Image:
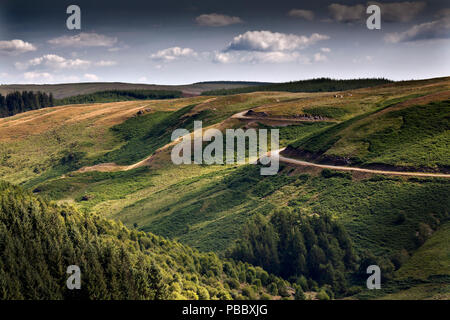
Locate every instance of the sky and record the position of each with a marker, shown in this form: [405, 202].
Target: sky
[181, 42]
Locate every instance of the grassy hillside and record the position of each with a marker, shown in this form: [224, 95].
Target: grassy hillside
[166, 199]
[412, 134]
[431, 259]
[39, 240]
[205, 206]
[54, 135]
[388, 219]
[61, 139]
[426, 275]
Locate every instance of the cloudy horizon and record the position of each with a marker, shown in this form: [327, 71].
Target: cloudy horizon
[167, 42]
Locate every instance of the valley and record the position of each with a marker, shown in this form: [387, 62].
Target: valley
[374, 161]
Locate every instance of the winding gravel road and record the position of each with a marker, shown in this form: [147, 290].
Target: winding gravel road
[242, 116]
[325, 166]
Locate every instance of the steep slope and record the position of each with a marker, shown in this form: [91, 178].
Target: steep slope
[413, 134]
[431, 259]
[47, 136]
[39, 240]
[425, 275]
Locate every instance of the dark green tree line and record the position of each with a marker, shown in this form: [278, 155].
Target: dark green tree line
[17, 102]
[39, 240]
[120, 95]
[311, 85]
[293, 245]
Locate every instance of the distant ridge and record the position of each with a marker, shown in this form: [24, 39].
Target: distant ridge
[310, 85]
[65, 90]
[244, 83]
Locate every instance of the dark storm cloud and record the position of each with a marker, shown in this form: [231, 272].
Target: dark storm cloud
[437, 29]
[217, 20]
[42, 14]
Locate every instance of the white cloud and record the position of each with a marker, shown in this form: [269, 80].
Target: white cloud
[319, 57]
[258, 57]
[326, 50]
[56, 62]
[266, 47]
[174, 53]
[105, 63]
[53, 61]
[272, 41]
[274, 57]
[223, 57]
[84, 40]
[217, 20]
[400, 11]
[142, 79]
[14, 47]
[4, 74]
[346, 14]
[390, 11]
[91, 77]
[438, 29]
[303, 14]
[38, 76]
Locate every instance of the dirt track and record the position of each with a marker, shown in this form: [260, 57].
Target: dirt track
[325, 166]
[240, 115]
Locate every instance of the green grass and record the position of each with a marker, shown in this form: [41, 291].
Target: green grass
[205, 206]
[97, 186]
[370, 209]
[418, 136]
[433, 258]
[440, 291]
[46, 151]
[206, 211]
[433, 289]
[327, 111]
[144, 134]
[289, 134]
[414, 137]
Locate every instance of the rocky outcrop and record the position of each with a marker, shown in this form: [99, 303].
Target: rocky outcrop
[143, 111]
[251, 113]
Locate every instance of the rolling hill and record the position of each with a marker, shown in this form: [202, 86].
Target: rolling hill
[73, 89]
[413, 134]
[112, 160]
